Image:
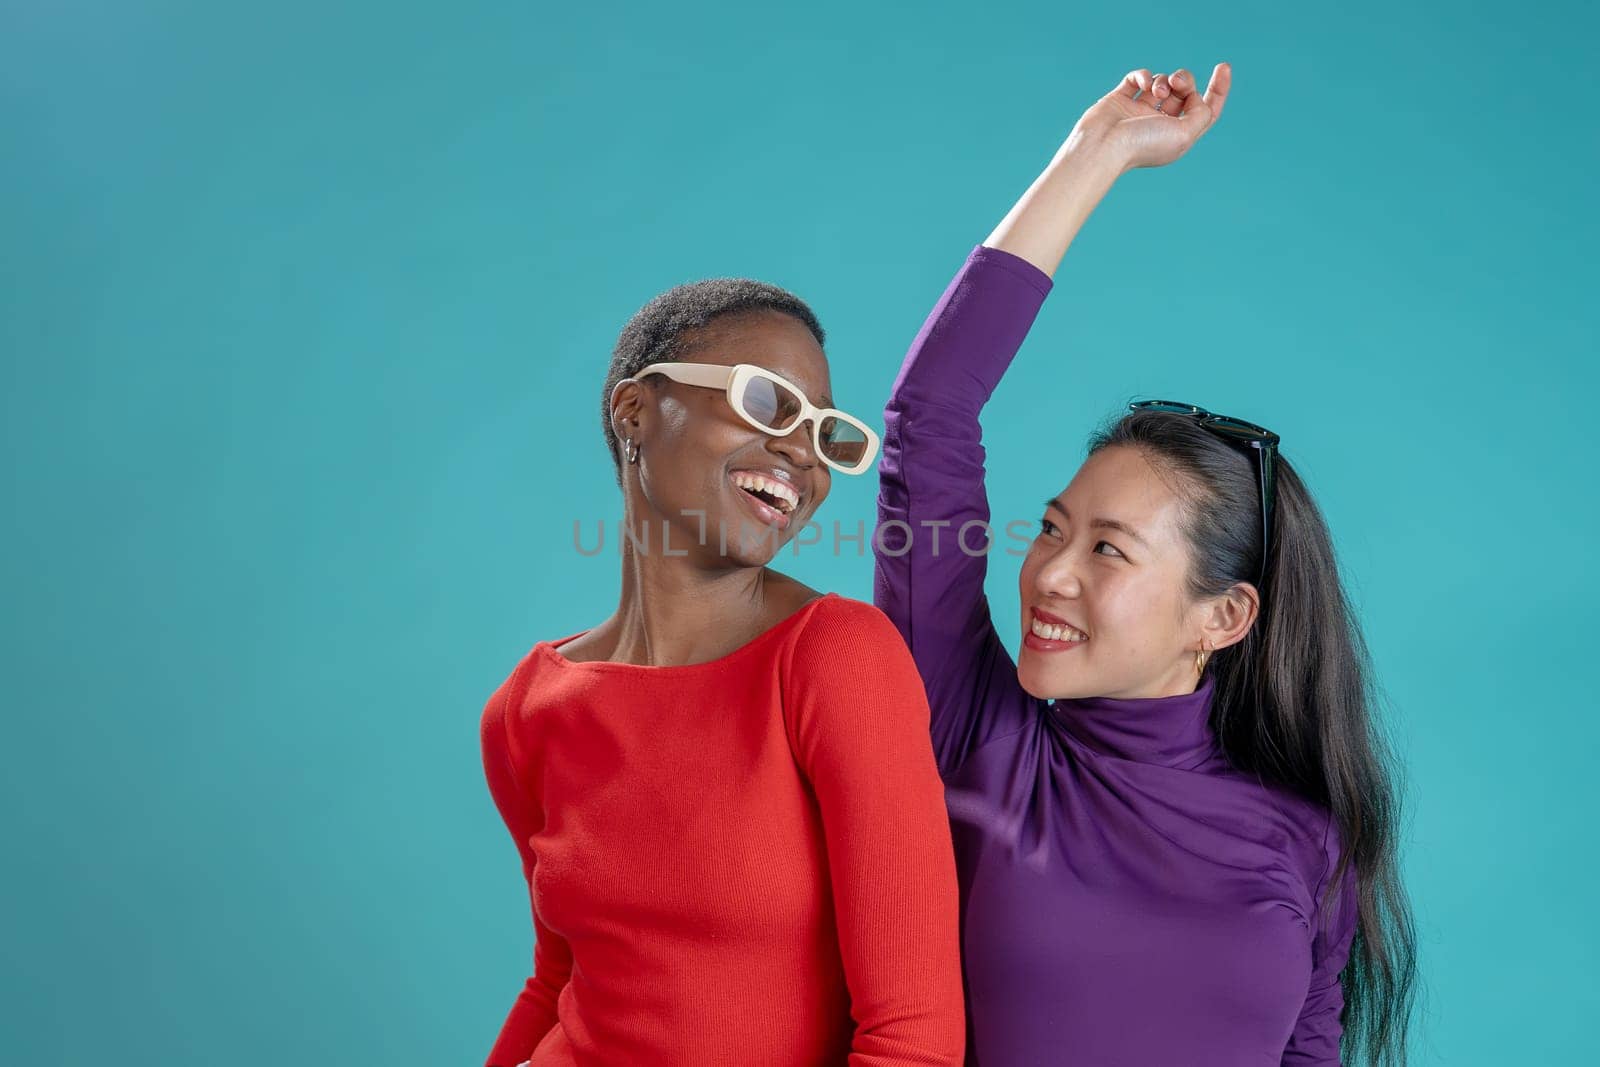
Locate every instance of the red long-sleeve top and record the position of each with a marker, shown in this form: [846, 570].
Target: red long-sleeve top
[739, 862]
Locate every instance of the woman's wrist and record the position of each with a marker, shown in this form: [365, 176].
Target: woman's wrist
[1042, 224]
[1092, 150]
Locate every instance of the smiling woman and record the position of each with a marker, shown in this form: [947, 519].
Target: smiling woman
[724, 796]
[1173, 814]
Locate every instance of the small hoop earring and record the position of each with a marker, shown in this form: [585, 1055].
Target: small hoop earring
[631, 451]
[1200, 657]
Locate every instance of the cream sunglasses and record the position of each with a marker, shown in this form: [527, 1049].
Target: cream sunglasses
[773, 405]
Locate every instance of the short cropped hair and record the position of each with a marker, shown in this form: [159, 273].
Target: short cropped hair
[656, 333]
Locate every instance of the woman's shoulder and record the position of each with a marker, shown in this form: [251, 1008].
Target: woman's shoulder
[812, 616]
[539, 662]
[846, 671]
[1317, 849]
[1310, 832]
[832, 619]
[841, 644]
[498, 709]
[1302, 829]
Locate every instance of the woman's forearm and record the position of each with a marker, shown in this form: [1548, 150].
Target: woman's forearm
[1041, 224]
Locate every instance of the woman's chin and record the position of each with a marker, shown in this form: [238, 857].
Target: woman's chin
[1035, 683]
[729, 540]
[752, 551]
[1047, 685]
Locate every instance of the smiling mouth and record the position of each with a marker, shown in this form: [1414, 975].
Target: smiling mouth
[778, 496]
[770, 506]
[1052, 632]
[771, 500]
[1044, 632]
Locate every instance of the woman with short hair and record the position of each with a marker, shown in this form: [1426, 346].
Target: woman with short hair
[724, 795]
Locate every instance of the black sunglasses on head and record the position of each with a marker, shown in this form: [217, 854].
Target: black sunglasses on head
[1238, 432]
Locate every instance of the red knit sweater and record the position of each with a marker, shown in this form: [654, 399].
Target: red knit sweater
[741, 862]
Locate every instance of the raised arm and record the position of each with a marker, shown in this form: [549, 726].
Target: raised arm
[933, 536]
[933, 511]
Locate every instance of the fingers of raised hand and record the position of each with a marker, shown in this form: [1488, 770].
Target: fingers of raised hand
[1217, 90]
[1136, 82]
[1160, 95]
[1184, 95]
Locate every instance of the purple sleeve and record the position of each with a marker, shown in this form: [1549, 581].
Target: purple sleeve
[931, 492]
[1317, 1033]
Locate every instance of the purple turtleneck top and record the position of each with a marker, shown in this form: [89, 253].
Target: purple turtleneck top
[1127, 897]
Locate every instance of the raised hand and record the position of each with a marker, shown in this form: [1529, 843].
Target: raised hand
[1147, 121]
[1150, 120]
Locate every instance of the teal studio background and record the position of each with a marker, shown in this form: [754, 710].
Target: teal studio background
[304, 317]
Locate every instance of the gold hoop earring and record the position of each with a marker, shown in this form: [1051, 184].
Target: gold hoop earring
[1200, 657]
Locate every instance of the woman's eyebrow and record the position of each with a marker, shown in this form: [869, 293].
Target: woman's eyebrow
[1113, 524]
[1100, 524]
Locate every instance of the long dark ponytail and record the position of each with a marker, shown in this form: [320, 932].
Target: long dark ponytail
[1294, 700]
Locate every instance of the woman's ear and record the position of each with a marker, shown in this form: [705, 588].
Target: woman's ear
[1228, 617]
[627, 402]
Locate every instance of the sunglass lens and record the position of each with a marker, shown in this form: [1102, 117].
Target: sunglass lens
[1169, 406]
[770, 403]
[843, 442]
[1245, 431]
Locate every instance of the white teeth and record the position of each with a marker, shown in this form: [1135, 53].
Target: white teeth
[1057, 633]
[787, 497]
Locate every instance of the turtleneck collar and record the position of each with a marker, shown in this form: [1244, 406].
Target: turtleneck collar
[1167, 731]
